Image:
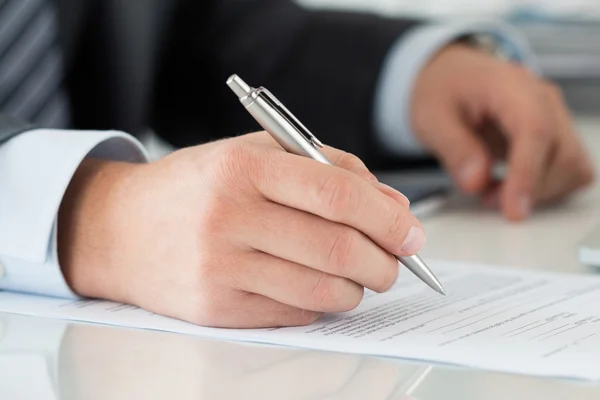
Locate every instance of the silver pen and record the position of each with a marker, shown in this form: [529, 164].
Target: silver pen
[295, 138]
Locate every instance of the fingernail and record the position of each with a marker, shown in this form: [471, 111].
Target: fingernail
[524, 205]
[415, 240]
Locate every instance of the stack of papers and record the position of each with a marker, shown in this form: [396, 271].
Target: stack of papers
[498, 319]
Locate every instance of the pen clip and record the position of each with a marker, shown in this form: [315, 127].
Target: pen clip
[285, 113]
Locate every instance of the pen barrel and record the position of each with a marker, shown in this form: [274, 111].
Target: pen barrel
[238, 86]
[293, 136]
[283, 131]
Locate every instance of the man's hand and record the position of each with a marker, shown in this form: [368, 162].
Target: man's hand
[235, 233]
[470, 110]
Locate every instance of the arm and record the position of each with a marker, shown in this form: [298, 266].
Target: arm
[348, 76]
[324, 65]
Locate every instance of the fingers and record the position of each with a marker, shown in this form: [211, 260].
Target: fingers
[354, 164]
[527, 162]
[253, 311]
[462, 153]
[546, 160]
[571, 168]
[348, 162]
[337, 157]
[393, 193]
[297, 286]
[524, 118]
[320, 245]
[341, 196]
[340, 159]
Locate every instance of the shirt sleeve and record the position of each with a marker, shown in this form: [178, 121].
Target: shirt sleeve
[407, 58]
[35, 170]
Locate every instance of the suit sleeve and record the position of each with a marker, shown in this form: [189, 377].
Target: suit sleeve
[11, 127]
[324, 65]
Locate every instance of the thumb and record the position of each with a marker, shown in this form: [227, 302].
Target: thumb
[462, 153]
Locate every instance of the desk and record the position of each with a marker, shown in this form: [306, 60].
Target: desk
[75, 361]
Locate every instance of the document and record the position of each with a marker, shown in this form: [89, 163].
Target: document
[500, 319]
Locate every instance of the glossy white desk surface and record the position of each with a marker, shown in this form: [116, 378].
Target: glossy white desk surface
[49, 359]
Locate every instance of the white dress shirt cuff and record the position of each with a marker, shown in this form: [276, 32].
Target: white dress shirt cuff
[406, 60]
[35, 170]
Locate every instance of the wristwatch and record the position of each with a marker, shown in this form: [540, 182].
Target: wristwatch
[491, 45]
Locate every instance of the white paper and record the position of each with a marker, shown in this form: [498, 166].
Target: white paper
[497, 319]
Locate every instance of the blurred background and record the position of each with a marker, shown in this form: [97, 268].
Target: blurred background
[564, 34]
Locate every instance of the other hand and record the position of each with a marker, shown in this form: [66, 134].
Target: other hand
[236, 233]
[471, 109]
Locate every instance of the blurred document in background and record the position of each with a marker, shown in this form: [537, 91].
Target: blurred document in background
[461, 8]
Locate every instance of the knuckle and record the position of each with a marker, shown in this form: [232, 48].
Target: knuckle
[339, 196]
[232, 153]
[349, 161]
[340, 251]
[237, 160]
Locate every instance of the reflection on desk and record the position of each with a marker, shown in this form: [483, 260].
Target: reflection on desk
[100, 362]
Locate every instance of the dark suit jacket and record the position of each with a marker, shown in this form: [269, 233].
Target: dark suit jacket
[135, 65]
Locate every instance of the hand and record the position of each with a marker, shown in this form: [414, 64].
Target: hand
[235, 233]
[470, 110]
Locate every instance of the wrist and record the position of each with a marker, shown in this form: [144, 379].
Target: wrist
[90, 221]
